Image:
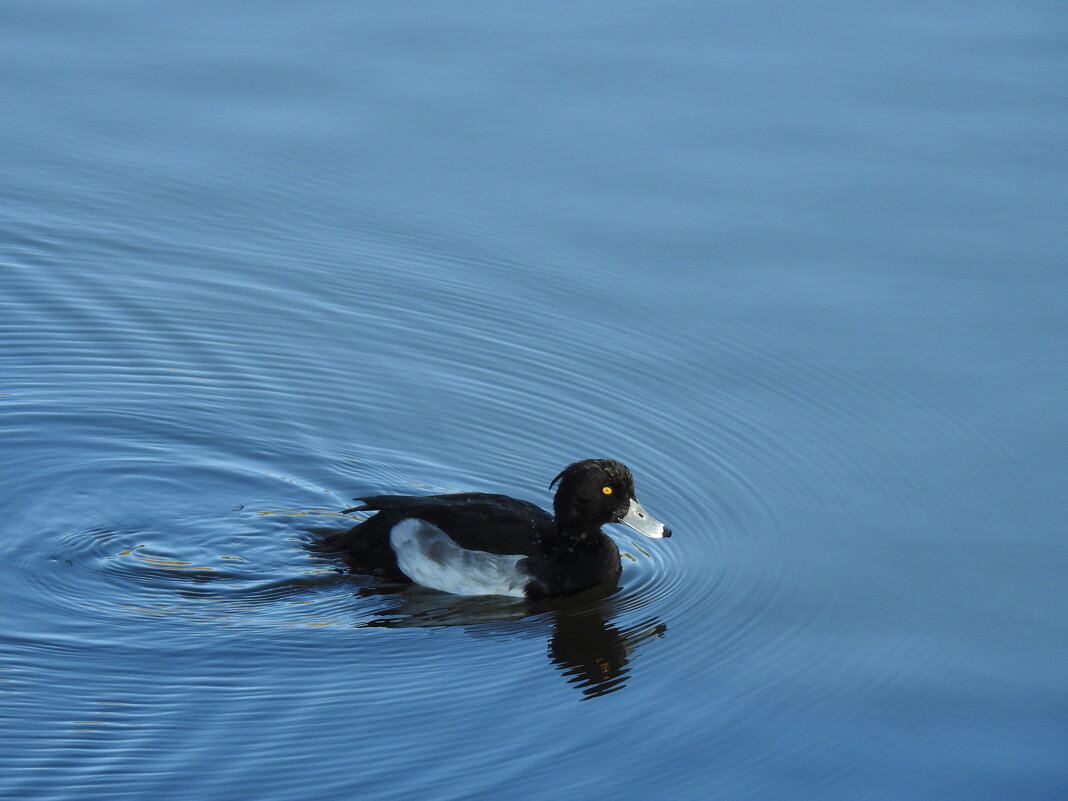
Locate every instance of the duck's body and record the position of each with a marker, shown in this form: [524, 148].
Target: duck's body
[483, 544]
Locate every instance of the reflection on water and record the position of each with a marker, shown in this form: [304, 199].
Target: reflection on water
[585, 641]
[592, 653]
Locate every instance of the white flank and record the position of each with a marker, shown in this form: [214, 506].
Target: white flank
[429, 556]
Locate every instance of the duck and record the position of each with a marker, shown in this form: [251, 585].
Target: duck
[479, 543]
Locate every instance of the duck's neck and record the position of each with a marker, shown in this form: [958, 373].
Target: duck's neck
[573, 530]
[576, 522]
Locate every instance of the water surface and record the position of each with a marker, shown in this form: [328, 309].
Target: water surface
[800, 267]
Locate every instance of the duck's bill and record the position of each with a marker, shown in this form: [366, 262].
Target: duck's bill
[643, 522]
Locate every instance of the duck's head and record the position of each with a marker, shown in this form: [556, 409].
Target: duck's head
[598, 491]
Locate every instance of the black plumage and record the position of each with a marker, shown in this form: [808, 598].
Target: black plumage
[563, 553]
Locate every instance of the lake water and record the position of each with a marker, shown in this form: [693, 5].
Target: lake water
[801, 266]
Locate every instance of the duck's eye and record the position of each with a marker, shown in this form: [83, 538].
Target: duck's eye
[606, 490]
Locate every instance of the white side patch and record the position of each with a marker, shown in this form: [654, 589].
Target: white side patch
[429, 556]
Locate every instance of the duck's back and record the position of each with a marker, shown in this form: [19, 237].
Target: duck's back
[496, 524]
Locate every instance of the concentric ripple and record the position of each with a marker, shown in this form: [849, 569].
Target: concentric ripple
[286, 262]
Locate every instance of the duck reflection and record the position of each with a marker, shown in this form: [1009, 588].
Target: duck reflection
[592, 653]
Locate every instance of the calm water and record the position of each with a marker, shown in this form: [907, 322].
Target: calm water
[801, 266]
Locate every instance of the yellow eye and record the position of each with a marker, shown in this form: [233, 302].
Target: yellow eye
[606, 490]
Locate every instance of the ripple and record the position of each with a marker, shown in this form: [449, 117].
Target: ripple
[182, 430]
[708, 469]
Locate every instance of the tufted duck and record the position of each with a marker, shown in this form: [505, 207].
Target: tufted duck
[483, 544]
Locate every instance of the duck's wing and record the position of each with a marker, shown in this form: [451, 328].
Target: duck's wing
[430, 557]
[376, 503]
[380, 503]
[497, 524]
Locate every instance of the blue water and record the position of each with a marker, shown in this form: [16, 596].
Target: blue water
[800, 266]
